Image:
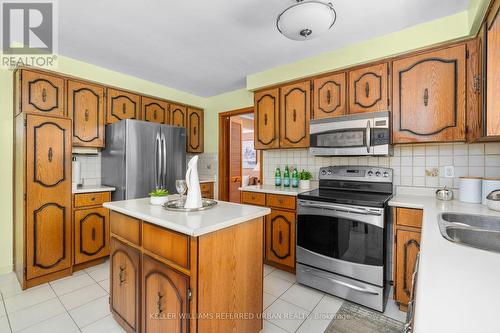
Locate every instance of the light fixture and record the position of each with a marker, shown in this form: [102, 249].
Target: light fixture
[306, 19]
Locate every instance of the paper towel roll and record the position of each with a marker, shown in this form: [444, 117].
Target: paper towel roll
[77, 176]
[470, 189]
[489, 184]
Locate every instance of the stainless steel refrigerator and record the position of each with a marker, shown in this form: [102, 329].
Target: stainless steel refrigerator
[142, 156]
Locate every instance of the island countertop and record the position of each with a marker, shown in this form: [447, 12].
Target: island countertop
[223, 215]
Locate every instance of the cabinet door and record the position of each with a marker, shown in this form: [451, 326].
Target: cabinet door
[91, 234]
[48, 195]
[429, 97]
[368, 89]
[178, 115]
[42, 93]
[165, 296]
[407, 248]
[329, 96]
[493, 71]
[295, 112]
[280, 237]
[266, 119]
[86, 108]
[195, 131]
[154, 110]
[122, 105]
[475, 75]
[125, 285]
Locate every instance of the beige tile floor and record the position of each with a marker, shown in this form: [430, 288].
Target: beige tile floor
[80, 304]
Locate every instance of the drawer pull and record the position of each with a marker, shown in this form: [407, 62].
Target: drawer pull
[122, 275]
[367, 89]
[44, 95]
[124, 108]
[154, 115]
[159, 308]
[328, 97]
[92, 199]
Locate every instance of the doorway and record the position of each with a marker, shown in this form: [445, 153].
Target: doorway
[239, 162]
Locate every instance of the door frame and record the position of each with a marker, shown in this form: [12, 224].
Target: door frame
[224, 139]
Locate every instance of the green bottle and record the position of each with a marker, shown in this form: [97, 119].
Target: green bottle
[295, 178]
[277, 177]
[286, 177]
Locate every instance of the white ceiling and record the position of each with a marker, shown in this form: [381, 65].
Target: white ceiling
[209, 47]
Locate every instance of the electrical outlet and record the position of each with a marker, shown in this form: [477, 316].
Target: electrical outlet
[449, 171]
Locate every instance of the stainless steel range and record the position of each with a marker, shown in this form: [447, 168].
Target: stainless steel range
[341, 233]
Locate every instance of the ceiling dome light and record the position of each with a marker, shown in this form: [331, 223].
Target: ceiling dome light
[306, 19]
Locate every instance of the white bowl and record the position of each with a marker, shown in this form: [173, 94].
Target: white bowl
[158, 201]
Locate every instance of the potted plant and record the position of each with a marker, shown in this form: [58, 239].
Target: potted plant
[305, 180]
[158, 197]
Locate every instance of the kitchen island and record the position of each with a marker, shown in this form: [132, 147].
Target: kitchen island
[180, 272]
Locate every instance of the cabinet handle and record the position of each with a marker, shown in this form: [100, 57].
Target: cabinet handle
[280, 237]
[426, 97]
[93, 234]
[294, 115]
[92, 199]
[124, 108]
[194, 130]
[367, 89]
[477, 83]
[159, 308]
[280, 201]
[50, 154]
[122, 275]
[44, 95]
[328, 97]
[86, 115]
[265, 119]
[154, 115]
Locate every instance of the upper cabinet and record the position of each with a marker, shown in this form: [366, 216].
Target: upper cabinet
[86, 108]
[122, 105]
[492, 70]
[329, 96]
[42, 93]
[429, 96]
[295, 110]
[178, 115]
[368, 90]
[194, 130]
[154, 110]
[267, 119]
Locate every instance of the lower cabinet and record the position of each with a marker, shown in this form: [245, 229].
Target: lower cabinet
[207, 190]
[91, 234]
[280, 236]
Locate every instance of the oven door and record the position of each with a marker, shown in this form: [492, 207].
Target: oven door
[343, 239]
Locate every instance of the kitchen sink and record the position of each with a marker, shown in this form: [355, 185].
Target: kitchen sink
[479, 231]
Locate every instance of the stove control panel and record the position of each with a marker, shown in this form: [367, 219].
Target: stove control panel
[356, 173]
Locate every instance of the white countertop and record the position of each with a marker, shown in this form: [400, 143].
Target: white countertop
[458, 286]
[207, 180]
[223, 215]
[93, 189]
[272, 189]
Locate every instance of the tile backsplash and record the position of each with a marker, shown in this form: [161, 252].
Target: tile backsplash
[90, 168]
[207, 165]
[417, 165]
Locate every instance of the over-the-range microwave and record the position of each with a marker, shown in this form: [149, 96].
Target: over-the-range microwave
[354, 135]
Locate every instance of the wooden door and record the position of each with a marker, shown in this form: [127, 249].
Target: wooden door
[493, 71]
[42, 93]
[86, 108]
[429, 96]
[280, 237]
[368, 90]
[91, 234]
[154, 110]
[178, 115]
[235, 162]
[266, 119]
[295, 112]
[48, 195]
[125, 285]
[329, 96]
[407, 248]
[195, 130]
[475, 83]
[165, 297]
[122, 105]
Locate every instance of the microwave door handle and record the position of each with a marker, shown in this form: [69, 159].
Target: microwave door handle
[368, 136]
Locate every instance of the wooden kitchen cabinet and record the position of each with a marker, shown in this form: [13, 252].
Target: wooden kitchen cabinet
[280, 236]
[122, 105]
[493, 71]
[194, 130]
[207, 190]
[42, 93]
[125, 300]
[86, 109]
[295, 111]
[178, 115]
[154, 110]
[368, 89]
[329, 96]
[91, 234]
[267, 119]
[429, 96]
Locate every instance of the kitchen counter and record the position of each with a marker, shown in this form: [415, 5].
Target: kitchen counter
[272, 189]
[223, 215]
[207, 181]
[93, 189]
[458, 286]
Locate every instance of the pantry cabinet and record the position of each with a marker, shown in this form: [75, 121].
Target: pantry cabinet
[42, 93]
[492, 71]
[154, 110]
[194, 130]
[295, 111]
[429, 96]
[86, 109]
[267, 119]
[329, 96]
[178, 115]
[368, 89]
[122, 105]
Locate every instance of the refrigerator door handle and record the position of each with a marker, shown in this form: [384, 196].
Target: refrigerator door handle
[158, 161]
[163, 174]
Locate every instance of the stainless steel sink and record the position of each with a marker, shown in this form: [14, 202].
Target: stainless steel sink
[479, 231]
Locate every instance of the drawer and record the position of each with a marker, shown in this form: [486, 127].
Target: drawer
[252, 198]
[91, 199]
[207, 190]
[281, 201]
[126, 227]
[409, 217]
[167, 244]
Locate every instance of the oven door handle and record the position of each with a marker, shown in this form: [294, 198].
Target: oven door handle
[345, 284]
[341, 209]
